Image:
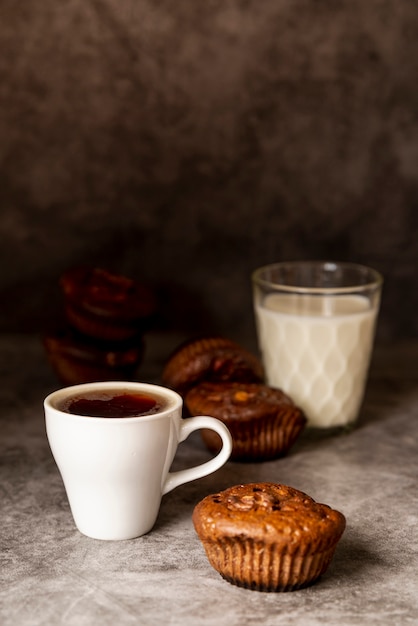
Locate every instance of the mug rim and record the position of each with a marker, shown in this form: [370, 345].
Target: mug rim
[176, 401]
[375, 281]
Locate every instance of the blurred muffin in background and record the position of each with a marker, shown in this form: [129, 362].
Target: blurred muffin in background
[101, 333]
[215, 359]
[106, 306]
[76, 359]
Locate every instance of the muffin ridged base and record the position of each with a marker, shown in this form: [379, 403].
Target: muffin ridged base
[253, 565]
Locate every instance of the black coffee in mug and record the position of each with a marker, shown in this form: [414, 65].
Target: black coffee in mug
[113, 403]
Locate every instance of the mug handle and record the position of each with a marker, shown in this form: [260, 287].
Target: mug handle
[189, 425]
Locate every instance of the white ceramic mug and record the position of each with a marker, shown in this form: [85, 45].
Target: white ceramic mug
[116, 469]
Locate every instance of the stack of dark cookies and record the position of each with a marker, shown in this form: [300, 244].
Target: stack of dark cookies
[101, 333]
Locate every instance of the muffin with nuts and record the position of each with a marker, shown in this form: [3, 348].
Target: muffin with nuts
[267, 536]
[264, 422]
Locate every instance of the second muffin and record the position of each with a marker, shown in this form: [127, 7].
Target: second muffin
[264, 422]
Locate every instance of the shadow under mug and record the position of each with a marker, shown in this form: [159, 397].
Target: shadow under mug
[116, 470]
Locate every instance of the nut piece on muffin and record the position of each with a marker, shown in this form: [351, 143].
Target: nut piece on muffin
[216, 359]
[264, 422]
[267, 536]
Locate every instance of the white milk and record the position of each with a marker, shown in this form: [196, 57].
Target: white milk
[318, 352]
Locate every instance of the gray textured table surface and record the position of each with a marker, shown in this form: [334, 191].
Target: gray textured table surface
[51, 574]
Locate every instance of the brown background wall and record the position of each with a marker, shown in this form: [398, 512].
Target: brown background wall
[188, 142]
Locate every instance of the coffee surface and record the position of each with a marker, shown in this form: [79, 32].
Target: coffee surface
[113, 404]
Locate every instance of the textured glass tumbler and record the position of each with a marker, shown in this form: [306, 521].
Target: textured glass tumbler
[315, 325]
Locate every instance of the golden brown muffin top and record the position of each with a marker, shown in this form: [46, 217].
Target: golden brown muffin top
[269, 513]
[246, 401]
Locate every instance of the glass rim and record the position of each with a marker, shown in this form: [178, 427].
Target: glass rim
[375, 282]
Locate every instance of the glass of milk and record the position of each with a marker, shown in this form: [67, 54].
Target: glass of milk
[315, 324]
